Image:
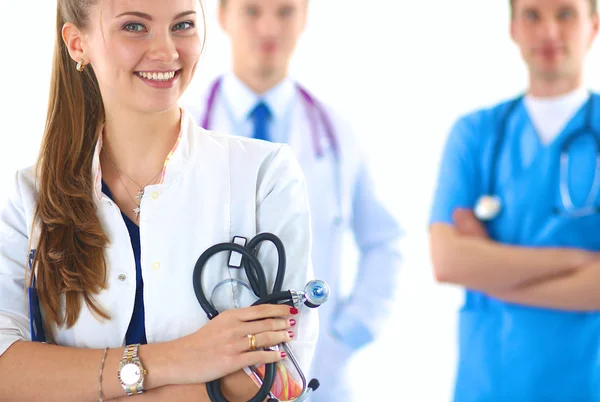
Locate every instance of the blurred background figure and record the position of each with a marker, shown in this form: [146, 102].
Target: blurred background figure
[259, 99]
[515, 221]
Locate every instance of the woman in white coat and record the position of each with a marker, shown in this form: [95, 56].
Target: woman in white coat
[126, 194]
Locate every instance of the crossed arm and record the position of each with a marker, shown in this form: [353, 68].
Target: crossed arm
[237, 387]
[559, 278]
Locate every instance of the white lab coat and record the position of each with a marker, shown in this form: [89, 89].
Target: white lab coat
[346, 324]
[214, 187]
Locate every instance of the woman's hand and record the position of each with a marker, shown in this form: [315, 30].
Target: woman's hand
[222, 347]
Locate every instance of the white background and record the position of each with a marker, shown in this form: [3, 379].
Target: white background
[402, 71]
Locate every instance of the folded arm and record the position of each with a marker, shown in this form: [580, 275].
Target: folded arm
[574, 289]
[482, 264]
[236, 387]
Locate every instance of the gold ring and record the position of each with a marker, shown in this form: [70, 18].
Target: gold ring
[252, 342]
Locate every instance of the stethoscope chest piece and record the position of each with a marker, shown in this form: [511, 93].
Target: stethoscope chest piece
[488, 207]
[316, 292]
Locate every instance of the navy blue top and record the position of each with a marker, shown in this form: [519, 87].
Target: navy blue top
[136, 333]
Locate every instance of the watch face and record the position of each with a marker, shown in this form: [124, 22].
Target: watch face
[130, 374]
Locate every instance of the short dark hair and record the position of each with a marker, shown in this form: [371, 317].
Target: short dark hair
[593, 6]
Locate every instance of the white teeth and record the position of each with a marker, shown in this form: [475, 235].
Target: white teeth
[166, 76]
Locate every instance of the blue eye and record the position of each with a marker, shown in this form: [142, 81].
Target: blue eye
[134, 27]
[182, 26]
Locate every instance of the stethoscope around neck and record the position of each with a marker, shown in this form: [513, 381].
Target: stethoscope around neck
[316, 114]
[489, 206]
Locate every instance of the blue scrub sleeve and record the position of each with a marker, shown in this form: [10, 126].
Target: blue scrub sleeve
[459, 179]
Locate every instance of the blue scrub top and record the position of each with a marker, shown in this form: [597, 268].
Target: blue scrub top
[136, 332]
[511, 352]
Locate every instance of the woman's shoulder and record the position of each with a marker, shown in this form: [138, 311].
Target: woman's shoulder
[248, 151]
[246, 156]
[276, 158]
[249, 146]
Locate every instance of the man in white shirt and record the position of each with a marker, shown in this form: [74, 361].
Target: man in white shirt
[258, 99]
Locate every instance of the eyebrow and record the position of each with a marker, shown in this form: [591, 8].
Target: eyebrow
[149, 17]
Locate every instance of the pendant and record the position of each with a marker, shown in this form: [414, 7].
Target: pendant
[136, 211]
[140, 194]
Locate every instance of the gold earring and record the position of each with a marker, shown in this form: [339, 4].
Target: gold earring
[80, 66]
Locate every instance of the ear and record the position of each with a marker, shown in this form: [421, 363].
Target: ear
[73, 39]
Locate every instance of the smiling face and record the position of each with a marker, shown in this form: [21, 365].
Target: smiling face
[143, 52]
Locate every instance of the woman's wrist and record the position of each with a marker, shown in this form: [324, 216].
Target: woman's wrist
[160, 360]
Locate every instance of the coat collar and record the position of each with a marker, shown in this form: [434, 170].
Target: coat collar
[175, 162]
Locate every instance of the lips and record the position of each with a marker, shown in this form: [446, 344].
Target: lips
[550, 50]
[269, 47]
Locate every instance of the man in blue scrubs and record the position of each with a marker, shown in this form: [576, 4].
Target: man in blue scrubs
[529, 330]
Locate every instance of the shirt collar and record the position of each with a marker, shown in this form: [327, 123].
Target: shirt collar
[175, 162]
[242, 99]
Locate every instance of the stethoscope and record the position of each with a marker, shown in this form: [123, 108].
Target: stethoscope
[489, 206]
[316, 113]
[315, 293]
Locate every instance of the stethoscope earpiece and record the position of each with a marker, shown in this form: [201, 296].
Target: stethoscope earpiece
[488, 207]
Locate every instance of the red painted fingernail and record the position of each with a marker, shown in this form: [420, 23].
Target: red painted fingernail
[293, 310]
[292, 322]
[291, 334]
[283, 355]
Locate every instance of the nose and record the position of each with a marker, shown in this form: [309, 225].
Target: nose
[163, 49]
[549, 30]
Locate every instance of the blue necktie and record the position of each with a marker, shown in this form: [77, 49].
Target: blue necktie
[260, 116]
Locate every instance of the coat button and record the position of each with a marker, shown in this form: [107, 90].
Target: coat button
[156, 266]
[122, 277]
[154, 195]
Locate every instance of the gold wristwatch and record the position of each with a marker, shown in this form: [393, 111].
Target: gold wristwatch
[131, 372]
